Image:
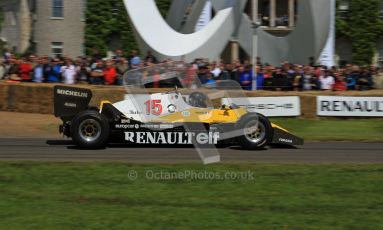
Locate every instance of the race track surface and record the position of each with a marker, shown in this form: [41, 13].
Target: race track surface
[63, 150]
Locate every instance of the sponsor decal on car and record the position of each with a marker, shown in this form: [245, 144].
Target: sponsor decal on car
[186, 113]
[126, 125]
[285, 140]
[68, 104]
[157, 126]
[166, 126]
[134, 112]
[172, 137]
[72, 93]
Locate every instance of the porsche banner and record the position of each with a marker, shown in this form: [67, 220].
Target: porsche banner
[269, 106]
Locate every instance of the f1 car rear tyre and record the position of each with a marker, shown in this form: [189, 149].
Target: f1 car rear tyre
[90, 129]
[256, 129]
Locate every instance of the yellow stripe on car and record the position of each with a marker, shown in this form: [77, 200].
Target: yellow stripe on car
[204, 115]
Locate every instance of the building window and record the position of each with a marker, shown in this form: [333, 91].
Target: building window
[83, 10]
[57, 49]
[264, 12]
[282, 13]
[32, 6]
[57, 9]
[344, 7]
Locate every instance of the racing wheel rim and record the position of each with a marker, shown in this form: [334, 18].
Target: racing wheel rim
[255, 131]
[90, 130]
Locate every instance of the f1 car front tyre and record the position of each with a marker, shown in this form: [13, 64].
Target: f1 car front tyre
[256, 131]
[90, 129]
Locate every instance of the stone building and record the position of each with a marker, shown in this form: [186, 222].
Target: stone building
[279, 18]
[57, 26]
[275, 16]
[10, 32]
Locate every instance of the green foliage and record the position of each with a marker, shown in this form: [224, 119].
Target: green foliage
[363, 27]
[163, 6]
[107, 22]
[341, 24]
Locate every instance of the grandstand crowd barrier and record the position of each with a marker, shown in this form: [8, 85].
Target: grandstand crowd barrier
[38, 98]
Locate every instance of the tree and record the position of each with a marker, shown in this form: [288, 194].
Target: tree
[107, 22]
[363, 27]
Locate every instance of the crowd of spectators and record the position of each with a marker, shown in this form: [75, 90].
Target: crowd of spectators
[109, 71]
[81, 70]
[289, 77]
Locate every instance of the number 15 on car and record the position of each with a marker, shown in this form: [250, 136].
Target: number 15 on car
[153, 107]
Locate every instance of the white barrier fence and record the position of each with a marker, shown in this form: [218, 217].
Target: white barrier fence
[269, 106]
[350, 106]
[331, 106]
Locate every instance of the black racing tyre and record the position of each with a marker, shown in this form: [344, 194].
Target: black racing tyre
[256, 129]
[90, 129]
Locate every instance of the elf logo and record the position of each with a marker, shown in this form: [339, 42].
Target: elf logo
[182, 138]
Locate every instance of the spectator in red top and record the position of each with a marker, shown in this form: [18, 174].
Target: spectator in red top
[110, 73]
[25, 69]
[340, 82]
[318, 71]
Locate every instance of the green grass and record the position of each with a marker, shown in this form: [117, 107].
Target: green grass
[334, 129]
[101, 196]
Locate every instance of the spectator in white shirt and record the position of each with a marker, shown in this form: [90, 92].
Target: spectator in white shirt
[69, 72]
[215, 70]
[326, 80]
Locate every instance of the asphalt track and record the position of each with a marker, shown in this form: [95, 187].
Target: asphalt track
[15, 149]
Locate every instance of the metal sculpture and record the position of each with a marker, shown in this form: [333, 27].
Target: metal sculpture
[175, 38]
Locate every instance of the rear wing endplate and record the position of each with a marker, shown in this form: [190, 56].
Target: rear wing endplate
[68, 101]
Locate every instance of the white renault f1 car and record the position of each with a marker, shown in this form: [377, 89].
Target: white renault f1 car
[177, 117]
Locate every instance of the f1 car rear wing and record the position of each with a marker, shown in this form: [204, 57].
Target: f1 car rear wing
[68, 101]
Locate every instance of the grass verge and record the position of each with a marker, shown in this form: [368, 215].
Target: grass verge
[334, 129]
[104, 196]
